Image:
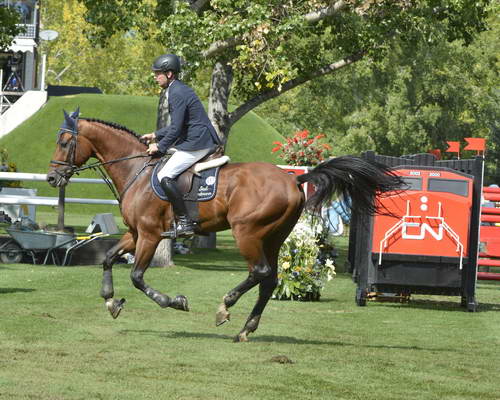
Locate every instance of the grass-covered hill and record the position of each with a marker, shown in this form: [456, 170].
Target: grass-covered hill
[31, 145]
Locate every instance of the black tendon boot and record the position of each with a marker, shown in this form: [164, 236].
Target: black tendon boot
[185, 227]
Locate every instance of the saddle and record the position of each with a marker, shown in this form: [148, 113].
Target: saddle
[212, 160]
[186, 179]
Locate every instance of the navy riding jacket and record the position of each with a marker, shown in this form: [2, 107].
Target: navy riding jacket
[189, 128]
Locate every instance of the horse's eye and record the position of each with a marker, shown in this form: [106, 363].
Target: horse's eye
[63, 144]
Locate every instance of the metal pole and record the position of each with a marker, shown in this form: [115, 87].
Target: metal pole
[60, 209]
[44, 63]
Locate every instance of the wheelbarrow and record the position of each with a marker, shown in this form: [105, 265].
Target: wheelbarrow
[31, 243]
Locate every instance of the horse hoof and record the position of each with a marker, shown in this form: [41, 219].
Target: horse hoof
[222, 315]
[180, 303]
[242, 337]
[115, 307]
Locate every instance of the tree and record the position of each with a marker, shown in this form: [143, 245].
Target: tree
[74, 60]
[413, 99]
[9, 19]
[258, 50]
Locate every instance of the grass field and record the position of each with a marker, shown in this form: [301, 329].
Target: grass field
[57, 341]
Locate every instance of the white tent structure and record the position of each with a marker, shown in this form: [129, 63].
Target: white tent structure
[19, 95]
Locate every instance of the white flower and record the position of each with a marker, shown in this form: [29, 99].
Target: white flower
[331, 269]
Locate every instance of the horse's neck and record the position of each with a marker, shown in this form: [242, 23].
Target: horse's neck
[112, 144]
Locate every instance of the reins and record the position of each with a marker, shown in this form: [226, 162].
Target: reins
[97, 167]
[101, 163]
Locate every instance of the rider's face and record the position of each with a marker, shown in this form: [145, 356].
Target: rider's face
[162, 78]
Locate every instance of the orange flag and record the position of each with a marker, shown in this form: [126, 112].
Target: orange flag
[453, 147]
[478, 144]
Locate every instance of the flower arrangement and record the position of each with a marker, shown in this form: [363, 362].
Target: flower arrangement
[6, 166]
[305, 262]
[303, 149]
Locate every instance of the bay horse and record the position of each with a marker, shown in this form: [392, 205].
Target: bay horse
[258, 201]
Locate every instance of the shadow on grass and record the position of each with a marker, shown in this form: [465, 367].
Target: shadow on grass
[16, 290]
[256, 338]
[437, 305]
[210, 267]
[273, 339]
[212, 260]
[322, 300]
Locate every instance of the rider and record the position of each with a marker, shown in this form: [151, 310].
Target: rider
[189, 131]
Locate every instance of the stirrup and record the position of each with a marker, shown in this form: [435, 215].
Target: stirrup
[183, 230]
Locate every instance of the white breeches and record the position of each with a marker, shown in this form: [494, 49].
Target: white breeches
[179, 162]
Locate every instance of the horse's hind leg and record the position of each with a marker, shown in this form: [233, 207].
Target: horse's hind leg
[266, 289]
[233, 296]
[125, 245]
[262, 266]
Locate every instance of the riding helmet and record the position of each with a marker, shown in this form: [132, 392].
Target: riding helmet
[167, 62]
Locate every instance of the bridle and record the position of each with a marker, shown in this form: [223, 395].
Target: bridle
[70, 162]
[71, 126]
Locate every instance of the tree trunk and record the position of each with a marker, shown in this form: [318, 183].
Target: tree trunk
[163, 254]
[220, 88]
[205, 242]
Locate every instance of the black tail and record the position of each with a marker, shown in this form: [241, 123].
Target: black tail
[351, 177]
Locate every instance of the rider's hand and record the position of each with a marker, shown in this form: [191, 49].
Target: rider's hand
[153, 149]
[148, 138]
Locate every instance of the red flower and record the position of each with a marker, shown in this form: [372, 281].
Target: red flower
[302, 149]
[303, 134]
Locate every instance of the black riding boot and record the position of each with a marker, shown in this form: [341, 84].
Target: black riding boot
[185, 227]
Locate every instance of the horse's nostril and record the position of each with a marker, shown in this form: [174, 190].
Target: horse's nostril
[51, 180]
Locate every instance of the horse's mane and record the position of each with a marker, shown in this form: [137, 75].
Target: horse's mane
[115, 126]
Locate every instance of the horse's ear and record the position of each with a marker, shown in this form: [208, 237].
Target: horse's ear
[69, 123]
[68, 119]
[75, 114]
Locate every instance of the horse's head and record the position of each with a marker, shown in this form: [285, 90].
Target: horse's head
[71, 151]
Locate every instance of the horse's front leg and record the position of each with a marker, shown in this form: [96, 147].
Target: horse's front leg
[146, 246]
[125, 245]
